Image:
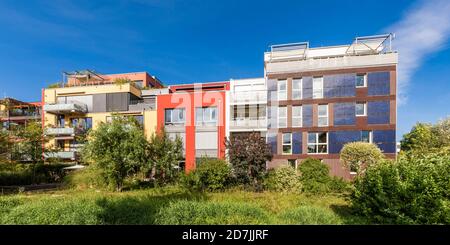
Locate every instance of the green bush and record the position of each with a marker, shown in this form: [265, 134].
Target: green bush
[211, 174]
[310, 215]
[197, 213]
[411, 190]
[283, 179]
[315, 176]
[355, 155]
[31, 173]
[88, 177]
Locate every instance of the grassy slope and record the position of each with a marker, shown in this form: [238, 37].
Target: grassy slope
[171, 205]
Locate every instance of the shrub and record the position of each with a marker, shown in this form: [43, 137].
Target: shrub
[283, 179]
[355, 154]
[33, 173]
[88, 177]
[191, 181]
[310, 215]
[315, 176]
[411, 190]
[211, 174]
[198, 213]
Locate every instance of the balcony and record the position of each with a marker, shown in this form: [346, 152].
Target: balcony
[67, 155]
[72, 107]
[60, 131]
[248, 97]
[245, 124]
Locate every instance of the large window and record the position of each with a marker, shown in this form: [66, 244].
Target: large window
[206, 115]
[282, 116]
[81, 125]
[297, 89]
[366, 136]
[361, 109]
[361, 80]
[322, 115]
[297, 116]
[282, 90]
[174, 116]
[317, 87]
[318, 143]
[287, 144]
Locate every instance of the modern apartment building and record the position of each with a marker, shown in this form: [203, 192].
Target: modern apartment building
[196, 113]
[15, 114]
[246, 106]
[86, 98]
[321, 98]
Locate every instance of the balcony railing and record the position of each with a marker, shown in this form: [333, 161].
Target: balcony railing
[249, 97]
[60, 131]
[248, 123]
[72, 155]
[63, 108]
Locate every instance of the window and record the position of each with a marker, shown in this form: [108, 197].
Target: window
[360, 109]
[318, 143]
[206, 115]
[297, 89]
[361, 80]
[366, 136]
[297, 116]
[287, 144]
[292, 163]
[317, 87]
[282, 116]
[81, 125]
[282, 87]
[323, 115]
[174, 116]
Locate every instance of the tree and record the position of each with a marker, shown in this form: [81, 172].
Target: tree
[356, 154]
[4, 144]
[164, 155]
[119, 148]
[248, 154]
[420, 139]
[31, 142]
[441, 132]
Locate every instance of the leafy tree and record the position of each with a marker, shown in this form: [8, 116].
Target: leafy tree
[420, 139]
[31, 142]
[441, 132]
[164, 156]
[4, 144]
[248, 154]
[357, 154]
[119, 148]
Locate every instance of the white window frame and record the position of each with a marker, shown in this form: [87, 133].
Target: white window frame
[317, 143]
[370, 135]
[173, 114]
[209, 117]
[297, 118]
[323, 116]
[283, 144]
[298, 90]
[279, 91]
[284, 118]
[315, 89]
[365, 109]
[365, 80]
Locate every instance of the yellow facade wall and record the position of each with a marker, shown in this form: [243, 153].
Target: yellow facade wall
[101, 89]
[150, 121]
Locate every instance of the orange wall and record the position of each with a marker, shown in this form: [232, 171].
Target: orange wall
[190, 101]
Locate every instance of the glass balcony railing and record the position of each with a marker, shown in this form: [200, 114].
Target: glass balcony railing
[72, 155]
[248, 123]
[60, 131]
[63, 108]
[248, 97]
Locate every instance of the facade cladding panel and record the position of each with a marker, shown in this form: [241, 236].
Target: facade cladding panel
[271, 89]
[385, 140]
[378, 83]
[307, 87]
[378, 112]
[99, 104]
[342, 85]
[272, 115]
[297, 143]
[272, 141]
[117, 101]
[337, 139]
[344, 114]
[307, 115]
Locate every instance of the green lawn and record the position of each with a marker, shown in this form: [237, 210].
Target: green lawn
[170, 205]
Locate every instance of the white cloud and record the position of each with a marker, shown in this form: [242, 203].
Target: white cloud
[423, 30]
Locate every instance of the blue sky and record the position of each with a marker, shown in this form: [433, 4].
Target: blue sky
[197, 41]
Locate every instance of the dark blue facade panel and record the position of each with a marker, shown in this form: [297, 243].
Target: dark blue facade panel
[378, 83]
[307, 115]
[272, 141]
[307, 87]
[342, 85]
[378, 112]
[344, 114]
[385, 140]
[297, 143]
[337, 139]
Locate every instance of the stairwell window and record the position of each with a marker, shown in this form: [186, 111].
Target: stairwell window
[282, 90]
[323, 115]
[297, 116]
[361, 80]
[361, 109]
[287, 144]
[317, 87]
[366, 136]
[318, 143]
[282, 116]
[297, 89]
